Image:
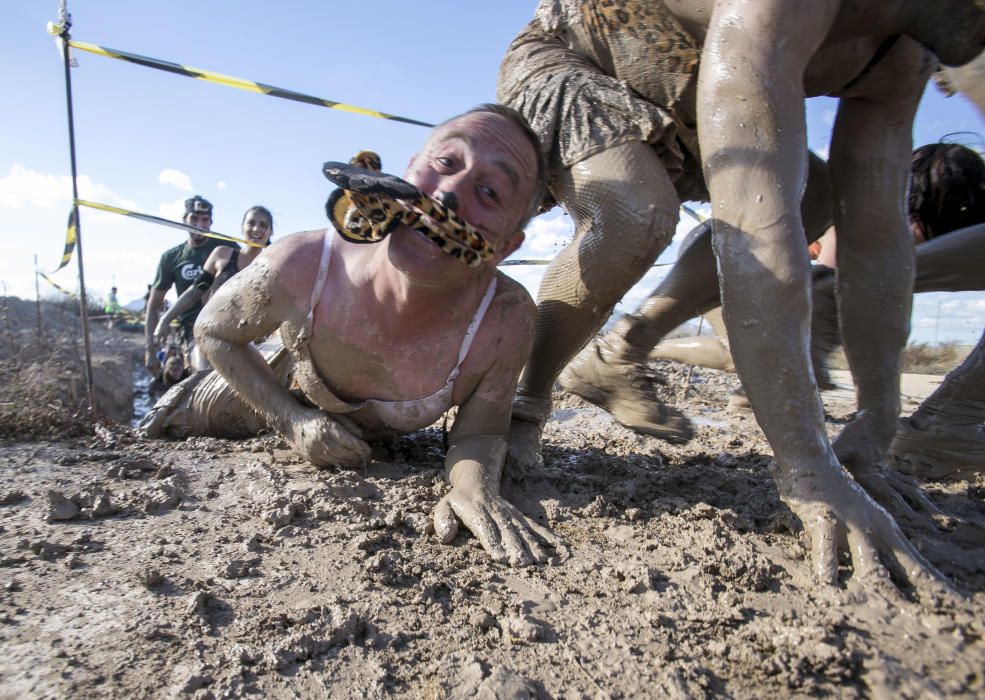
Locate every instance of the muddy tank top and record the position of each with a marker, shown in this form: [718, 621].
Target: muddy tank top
[394, 416]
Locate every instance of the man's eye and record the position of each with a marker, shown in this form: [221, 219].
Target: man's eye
[444, 161]
[489, 193]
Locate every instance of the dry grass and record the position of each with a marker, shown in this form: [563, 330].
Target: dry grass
[42, 375]
[920, 358]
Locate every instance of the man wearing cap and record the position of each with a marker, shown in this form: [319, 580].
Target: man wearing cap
[179, 266]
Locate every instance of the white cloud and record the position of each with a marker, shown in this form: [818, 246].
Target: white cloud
[172, 210]
[28, 188]
[546, 237]
[828, 117]
[823, 151]
[220, 185]
[175, 178]
[963, 308]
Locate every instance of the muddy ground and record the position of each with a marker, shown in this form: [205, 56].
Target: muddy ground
[212, 568]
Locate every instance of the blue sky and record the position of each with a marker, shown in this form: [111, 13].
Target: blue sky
[146, 140]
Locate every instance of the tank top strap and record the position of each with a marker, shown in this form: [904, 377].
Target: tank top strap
[326, 256]
[473, 328]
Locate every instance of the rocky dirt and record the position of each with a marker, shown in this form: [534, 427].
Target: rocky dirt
[212, 568]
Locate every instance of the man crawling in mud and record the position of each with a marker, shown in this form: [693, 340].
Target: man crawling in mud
[621, 93]
[383, 339]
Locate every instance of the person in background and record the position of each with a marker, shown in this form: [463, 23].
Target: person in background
[223, 262]
[179, 267]
[112, 308]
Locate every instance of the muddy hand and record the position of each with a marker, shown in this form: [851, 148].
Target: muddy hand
[326, 440]
[161, 332]
[504, 532]
[151, 362]
[865, 440]
[862, 447]
[834, 510]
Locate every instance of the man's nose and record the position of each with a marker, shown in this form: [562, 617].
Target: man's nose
[447, 198]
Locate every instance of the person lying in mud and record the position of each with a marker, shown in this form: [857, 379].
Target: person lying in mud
[383, 339]
[621, 93]
[223, 262]
[174, 372]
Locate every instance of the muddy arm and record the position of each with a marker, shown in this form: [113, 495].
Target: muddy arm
[477, 448]
[691, 286]
[154, 303]
[753, 141]
[954, 262]
[253, 304]
[186, 301]
[870, 163]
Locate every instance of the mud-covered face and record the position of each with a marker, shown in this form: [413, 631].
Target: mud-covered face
[174, 368]
[484, 168]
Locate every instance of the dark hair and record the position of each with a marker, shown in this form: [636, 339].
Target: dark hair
[947, 190]
[520, 122]
[266, 212]
[198, 205]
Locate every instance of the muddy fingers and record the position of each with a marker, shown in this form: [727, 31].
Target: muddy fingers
[920, 573]
[910, 490]
[822, 528]
[325, 440]
[503, 531]
[865, 557]
[834, 508]
[445, 522]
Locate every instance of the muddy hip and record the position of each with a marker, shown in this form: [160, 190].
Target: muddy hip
[578, 110]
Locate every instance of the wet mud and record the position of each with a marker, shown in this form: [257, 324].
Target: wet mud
[214, 568]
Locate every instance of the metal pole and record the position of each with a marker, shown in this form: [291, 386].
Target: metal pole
[687, 378]
[37, 294]
[66, 19]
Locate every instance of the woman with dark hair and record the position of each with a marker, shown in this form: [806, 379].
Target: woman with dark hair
[947, 190]
[224, 262]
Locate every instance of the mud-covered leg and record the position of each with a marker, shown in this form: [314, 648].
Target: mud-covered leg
[825, 335]
[700, 350]
[625, 210]
[753, 152]
[691, 287]
[945, 436]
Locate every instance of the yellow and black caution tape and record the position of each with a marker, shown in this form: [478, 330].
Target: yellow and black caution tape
[71, 234]
[56, 285]
[164, 222]
[240, 83]
[693, 214]
[508, 263]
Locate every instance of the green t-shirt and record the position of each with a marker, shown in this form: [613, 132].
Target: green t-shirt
[179, 266]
